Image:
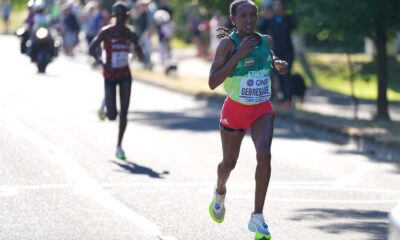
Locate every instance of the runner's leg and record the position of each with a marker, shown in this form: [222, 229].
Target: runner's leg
[231, 142]
[262, 133]
[110, 98]
[125, 96]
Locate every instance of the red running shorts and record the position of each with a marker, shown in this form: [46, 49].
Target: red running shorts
[237, 116]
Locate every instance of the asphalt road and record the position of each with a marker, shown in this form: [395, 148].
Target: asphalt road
[59, 178]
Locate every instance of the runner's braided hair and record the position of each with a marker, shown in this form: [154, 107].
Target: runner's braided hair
[224, 31]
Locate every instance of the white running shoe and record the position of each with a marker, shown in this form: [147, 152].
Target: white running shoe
[257, 225]
[102, 111]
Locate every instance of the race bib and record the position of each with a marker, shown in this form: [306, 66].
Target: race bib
[119, 59]
[255, 90]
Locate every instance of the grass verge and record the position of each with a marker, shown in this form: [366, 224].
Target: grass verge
[17, 19]
[332, 73]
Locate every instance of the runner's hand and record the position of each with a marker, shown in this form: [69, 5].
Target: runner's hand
[106, 66]
[246, 46]
[281, 66]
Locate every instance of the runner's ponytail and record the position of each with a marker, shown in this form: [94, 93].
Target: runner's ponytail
[224, 31]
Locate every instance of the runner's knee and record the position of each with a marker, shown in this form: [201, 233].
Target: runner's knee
[228, 165]
[112, 116]
[264, 157]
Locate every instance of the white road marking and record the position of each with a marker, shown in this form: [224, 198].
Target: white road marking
[85, 185]
[206, 188]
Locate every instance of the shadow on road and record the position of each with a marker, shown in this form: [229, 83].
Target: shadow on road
[344, 221]
[178, 120]
[134, 168]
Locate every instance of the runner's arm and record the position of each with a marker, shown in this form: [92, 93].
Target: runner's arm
[281, 66]
[95, 44]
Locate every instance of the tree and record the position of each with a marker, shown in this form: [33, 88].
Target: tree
[348, 18]
[18, 4]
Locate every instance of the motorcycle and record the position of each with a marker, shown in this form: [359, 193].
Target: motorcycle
[43, 48]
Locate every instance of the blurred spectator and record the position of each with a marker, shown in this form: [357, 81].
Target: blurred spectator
[193, 22]
[264, 22]
[6, 12]
[198, 21]
[280, 26]
[89, 20]
[102, 17]
[55, 11]
[165, 29]
[204, 28]
[71, 29]
[143, 26]
[216, 22]
[164, 5]
[264, 28]
[128, 3]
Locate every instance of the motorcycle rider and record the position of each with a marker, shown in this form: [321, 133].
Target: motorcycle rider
[41, 18]
[30, 20]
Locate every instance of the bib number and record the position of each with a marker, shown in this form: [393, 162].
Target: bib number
[255, 90]
[119, 59]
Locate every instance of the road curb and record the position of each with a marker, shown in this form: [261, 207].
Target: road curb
[394, 227]
[386, 150]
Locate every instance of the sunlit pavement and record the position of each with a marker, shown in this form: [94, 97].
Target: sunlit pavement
[59, 178]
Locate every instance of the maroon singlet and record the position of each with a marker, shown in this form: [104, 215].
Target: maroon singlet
[117, 50]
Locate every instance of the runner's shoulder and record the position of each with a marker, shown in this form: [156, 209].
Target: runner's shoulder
[226, 44]
[267, 37]
[106, 29]
[130, 31]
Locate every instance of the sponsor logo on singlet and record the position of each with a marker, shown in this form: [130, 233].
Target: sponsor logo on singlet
[255, 87]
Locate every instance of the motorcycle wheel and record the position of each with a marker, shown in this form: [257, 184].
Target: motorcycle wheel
[41, 61]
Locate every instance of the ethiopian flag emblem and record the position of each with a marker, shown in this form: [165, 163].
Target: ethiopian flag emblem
[249, 62]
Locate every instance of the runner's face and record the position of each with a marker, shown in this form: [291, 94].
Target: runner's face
[277, 7]
[245, 18]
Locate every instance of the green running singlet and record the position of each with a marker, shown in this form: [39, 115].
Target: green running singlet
[250, 82]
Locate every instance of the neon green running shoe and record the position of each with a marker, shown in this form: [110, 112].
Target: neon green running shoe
[259, 236]
[217, 207]
[120, 154]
